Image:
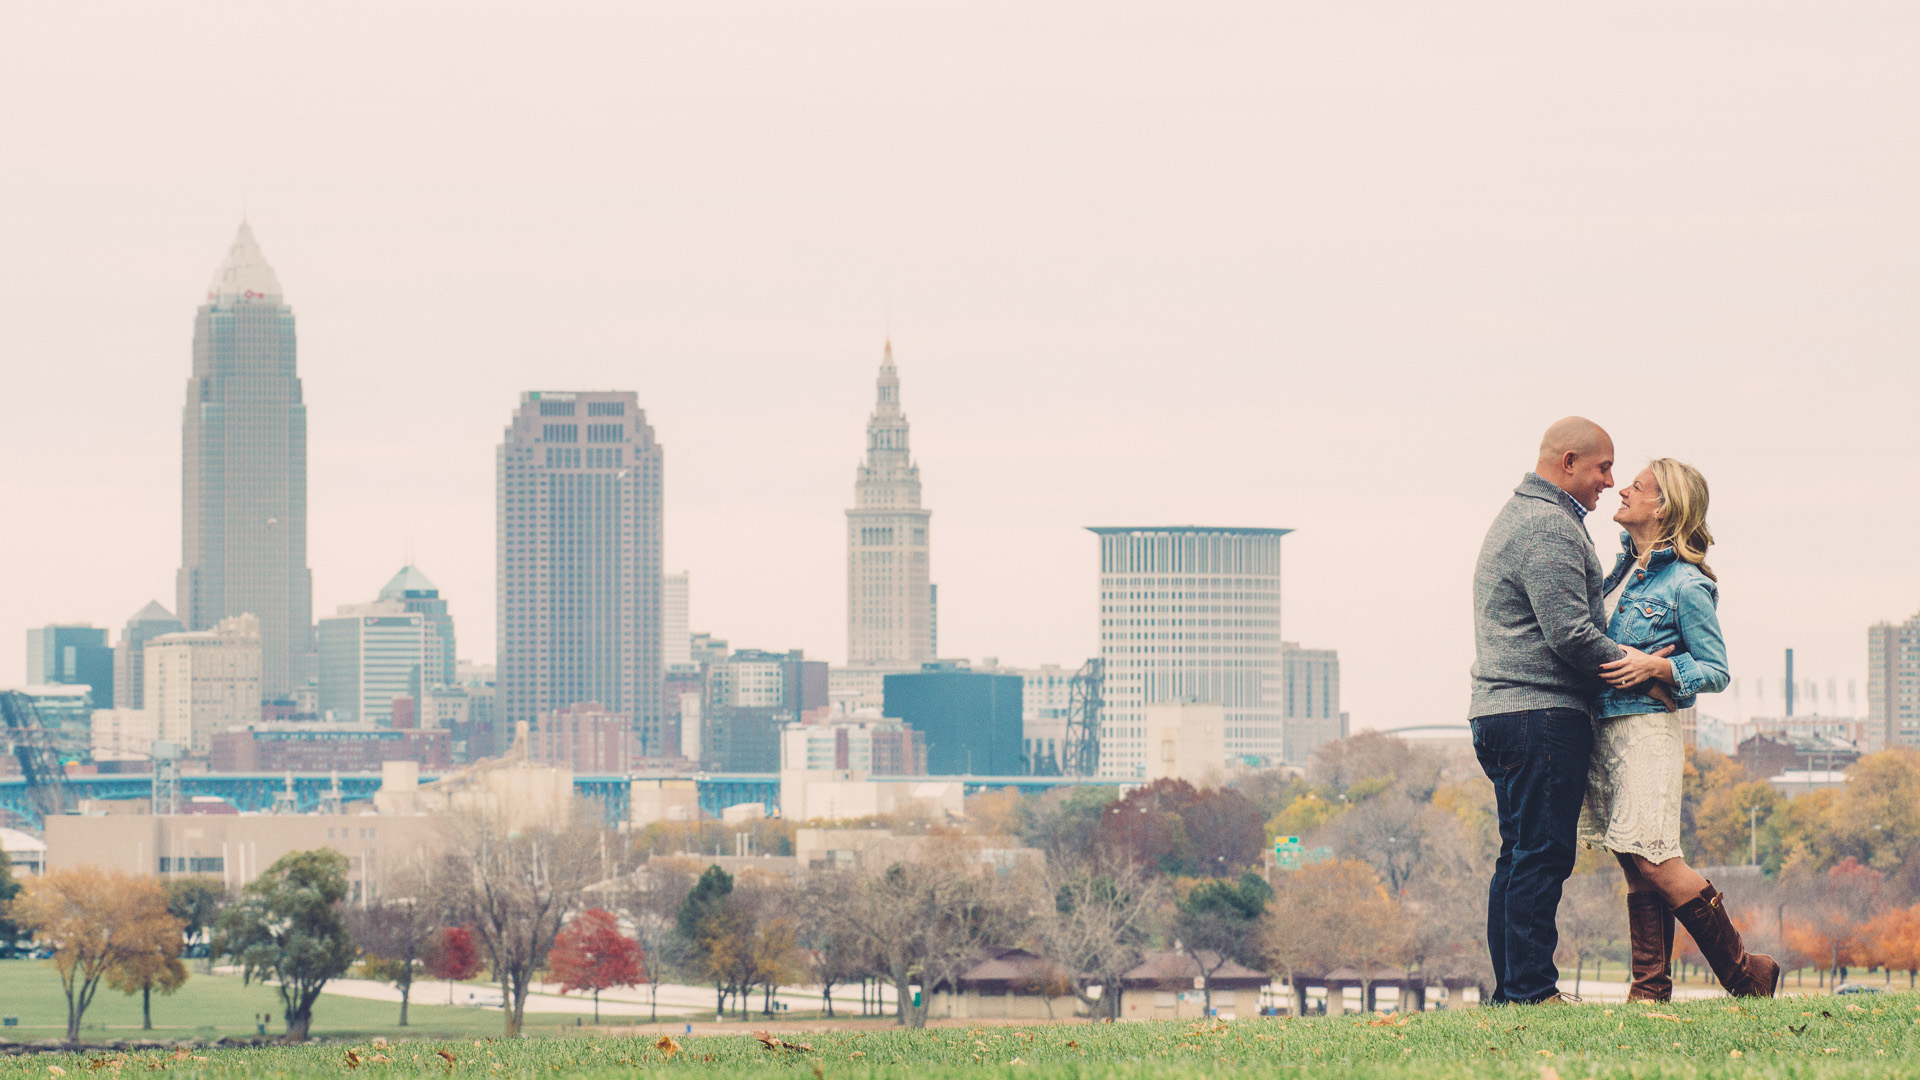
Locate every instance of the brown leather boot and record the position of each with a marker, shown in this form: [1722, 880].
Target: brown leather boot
[1744, 974]
[1650, 931]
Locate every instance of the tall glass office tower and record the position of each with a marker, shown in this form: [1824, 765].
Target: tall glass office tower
[579, 560]
[243, 494]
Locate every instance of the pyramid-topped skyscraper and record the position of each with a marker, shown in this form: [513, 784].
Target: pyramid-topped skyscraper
[243, 495]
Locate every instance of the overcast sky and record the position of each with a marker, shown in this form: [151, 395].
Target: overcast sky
[1328, 266]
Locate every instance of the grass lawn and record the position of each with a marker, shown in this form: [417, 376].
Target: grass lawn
[1801, 1038]
[214, 1005]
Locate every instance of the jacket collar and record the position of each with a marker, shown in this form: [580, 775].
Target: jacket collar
[1535, 486]
[1655, 562]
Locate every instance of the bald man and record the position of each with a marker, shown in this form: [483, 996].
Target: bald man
[1539, 641]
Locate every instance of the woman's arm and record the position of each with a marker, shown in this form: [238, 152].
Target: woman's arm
[1702, 669]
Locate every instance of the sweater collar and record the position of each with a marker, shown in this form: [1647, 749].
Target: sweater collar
[1539, 487]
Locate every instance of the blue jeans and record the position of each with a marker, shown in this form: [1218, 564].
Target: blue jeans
[1537, 761]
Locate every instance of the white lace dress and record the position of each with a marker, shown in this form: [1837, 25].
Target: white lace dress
[1633, 785]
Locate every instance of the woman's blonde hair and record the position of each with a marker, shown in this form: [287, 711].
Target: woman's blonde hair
[1683, 500]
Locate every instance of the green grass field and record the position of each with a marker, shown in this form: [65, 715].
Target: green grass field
[1811, 1038]
[215, 1005]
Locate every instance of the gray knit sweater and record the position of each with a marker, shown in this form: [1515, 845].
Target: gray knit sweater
[1538, 627]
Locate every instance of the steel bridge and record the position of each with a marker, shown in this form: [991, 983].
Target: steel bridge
[258, 792]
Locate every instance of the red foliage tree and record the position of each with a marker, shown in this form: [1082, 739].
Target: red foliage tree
[1171, 826]
[452, 956]
[592, 954]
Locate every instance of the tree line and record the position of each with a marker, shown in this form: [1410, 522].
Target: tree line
[1399, 842]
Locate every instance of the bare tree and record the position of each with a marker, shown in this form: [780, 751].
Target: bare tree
[837, 952]
[651, 901]
[1592, 916]
[932, 917]
[1103, 912]
[393, 933]
[515, 887]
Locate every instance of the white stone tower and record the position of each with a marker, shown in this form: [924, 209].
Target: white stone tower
[889, 596]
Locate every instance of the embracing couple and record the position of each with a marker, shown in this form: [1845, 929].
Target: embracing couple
[1576, 677]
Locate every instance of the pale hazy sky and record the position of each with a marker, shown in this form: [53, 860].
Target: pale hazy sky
[1329, 266]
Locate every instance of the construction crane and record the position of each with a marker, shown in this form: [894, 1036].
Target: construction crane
[33, 749]
[1080, 755]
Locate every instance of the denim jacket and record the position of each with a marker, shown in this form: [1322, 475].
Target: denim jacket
[1670, 602]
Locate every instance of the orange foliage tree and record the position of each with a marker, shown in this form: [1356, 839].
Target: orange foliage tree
[96, 921]
[1891, 940]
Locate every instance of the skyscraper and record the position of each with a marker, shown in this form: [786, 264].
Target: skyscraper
[1190, 614]
[72, 654]
[417, 594]
[129, 663]
[243, 495]
[579, 559]
[1893, 684]
[889, 595]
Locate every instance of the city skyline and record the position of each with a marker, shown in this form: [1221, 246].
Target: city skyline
[1264, 279]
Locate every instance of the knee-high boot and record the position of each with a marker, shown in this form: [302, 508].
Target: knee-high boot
[1744, 974]
[1650, 932]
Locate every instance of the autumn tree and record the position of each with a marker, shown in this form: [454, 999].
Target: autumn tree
[512, 885]
[452, 955]
[1891, 940]
[1328, 915]
[1104, 912]
[287, 929]
[1728, 823]
[1702, 772]
[592, 954]
[1876, 815]
[1177, 829]
[158, 968]
[1218, 922]
[97, 922]
[1829, 925]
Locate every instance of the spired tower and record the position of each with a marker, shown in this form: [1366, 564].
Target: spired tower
[243, 491]
[889, 597]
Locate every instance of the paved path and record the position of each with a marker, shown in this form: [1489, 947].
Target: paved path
[675, 999]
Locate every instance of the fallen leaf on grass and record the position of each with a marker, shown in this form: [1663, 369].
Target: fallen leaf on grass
[448, 1055]
[667, 1046]
[858, 1054]
[1547, 1073]
[768, 1040]
[1664, 1016]
[353, 1059]
[56, 1070]
[1735, 1054]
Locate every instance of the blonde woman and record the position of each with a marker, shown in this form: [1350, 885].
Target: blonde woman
[1660, 599]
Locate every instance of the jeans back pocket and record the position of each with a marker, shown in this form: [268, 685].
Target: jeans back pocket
[1500, 741]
